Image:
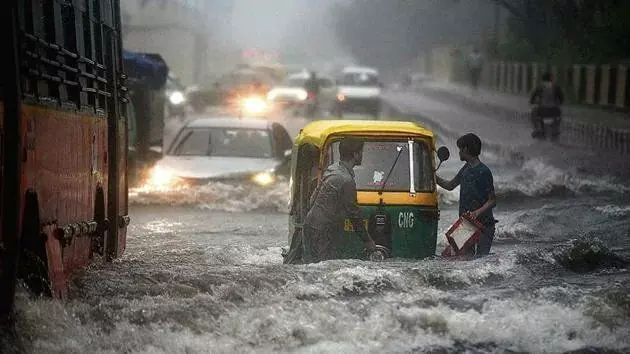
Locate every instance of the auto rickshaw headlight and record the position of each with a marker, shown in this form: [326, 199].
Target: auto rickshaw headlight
[264, 178]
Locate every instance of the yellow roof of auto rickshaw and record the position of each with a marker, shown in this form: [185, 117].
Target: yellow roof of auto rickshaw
[317, 132]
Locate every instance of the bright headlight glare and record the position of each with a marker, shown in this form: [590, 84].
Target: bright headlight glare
[176, 97]
[160, 177]
[272, 95]
[302, 95]
[255, 105]
[264, 178]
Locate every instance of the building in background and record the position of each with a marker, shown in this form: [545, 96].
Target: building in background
[179, 30]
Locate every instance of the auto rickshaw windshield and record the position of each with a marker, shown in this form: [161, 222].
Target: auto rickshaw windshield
[379, 157]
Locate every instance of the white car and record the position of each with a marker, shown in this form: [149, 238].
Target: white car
[291, 92]
[224, 149]
[359, 91]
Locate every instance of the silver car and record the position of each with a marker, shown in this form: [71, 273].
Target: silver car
[224, 149]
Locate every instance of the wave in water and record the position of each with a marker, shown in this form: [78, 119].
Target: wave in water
[579, 255]
[614, 210]
[218, 197]
[335, 306]
[235, 197]
[536, 178]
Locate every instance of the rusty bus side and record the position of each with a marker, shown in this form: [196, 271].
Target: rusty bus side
[64, 143]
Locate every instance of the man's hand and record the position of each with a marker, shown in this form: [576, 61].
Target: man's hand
[473, 214]
[370, 245]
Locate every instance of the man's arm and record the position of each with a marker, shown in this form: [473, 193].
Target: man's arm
[452, 184]
[352, 211]
[491, 203]
[488, 187]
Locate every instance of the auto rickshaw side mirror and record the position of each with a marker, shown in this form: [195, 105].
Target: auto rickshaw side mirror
[443, 153]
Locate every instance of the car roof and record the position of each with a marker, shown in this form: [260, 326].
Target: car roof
[229, 122]
[306, 75]
[359, 69]
[298, 75]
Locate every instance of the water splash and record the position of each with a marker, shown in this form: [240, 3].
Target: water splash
[614, 210]
[218, 197]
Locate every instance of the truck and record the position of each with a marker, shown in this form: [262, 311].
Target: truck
[151, 101]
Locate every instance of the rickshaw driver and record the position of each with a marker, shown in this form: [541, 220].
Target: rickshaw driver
[334, 200]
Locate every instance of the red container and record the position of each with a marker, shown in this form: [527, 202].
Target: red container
[462, 237]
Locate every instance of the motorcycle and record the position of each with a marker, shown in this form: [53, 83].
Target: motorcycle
[546, 125]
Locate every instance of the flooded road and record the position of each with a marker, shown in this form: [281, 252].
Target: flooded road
[203, 273]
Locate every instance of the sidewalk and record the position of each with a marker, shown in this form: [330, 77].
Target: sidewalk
[581, 126]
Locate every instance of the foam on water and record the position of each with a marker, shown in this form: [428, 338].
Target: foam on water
[252, 303]
[218, 197]
[537, 178]
[614, 210]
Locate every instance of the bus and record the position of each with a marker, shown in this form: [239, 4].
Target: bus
[63, 135]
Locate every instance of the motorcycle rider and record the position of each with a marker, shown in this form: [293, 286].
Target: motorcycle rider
[548, 97]
[311, 86]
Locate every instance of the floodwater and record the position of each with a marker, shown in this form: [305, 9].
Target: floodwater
[203, 273]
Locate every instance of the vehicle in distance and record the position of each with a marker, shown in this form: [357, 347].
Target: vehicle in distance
[359, 91]
[290, 93]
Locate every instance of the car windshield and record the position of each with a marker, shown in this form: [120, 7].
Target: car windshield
[227, 142]
[294, 82]
[359, 79]
[378, 158]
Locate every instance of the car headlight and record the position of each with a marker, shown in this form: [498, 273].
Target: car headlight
[272, 95]
[264, 178]
[176, 98]
[255, 105]
[302, 95]
[162, 178]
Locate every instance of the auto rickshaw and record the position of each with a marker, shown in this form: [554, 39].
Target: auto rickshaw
[396, 186]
